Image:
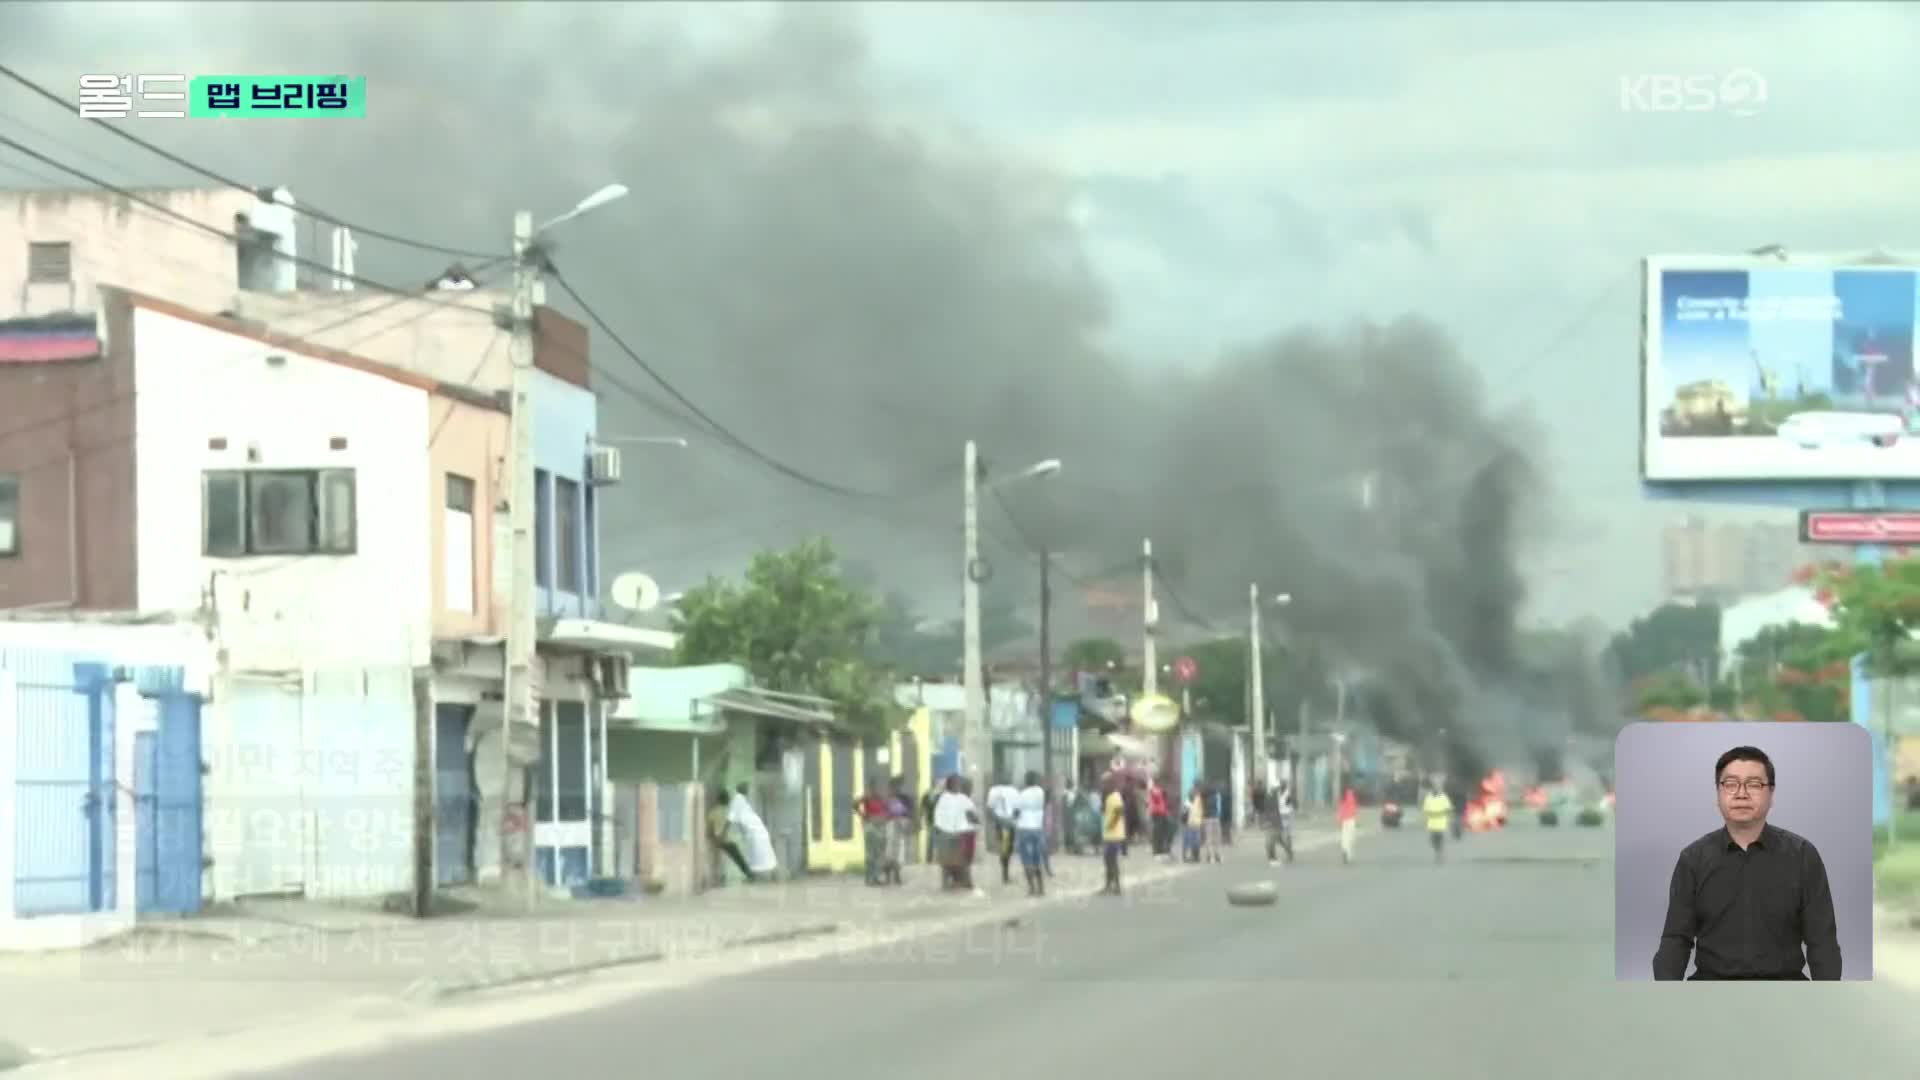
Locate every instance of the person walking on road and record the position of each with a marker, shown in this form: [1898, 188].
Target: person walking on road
[1210, 827]
[954, 822]
[1223, 794]
[1113, 834]
[1195, 820]
[1086, 821]
[1030, 833]
[757, 842]
[1070, 819]
[1280, 824]
[1349, 815]
[1160, 817]
[875, 812]
[720, 834]
[1000, 808]
[1438, 810]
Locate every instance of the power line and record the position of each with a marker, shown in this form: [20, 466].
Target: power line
[295, 340]
[718, 428]
[190, 166]
[1180, 606]
[169, 211]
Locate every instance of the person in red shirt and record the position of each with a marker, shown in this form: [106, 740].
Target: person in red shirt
[1349, 815]
[1161, 815]
[874, 814]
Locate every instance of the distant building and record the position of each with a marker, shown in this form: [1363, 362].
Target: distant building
[1720, 563]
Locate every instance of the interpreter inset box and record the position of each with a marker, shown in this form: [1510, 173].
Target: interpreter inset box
[1743, 851]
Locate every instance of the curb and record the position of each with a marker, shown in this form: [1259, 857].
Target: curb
[848, 934]
[437, 990]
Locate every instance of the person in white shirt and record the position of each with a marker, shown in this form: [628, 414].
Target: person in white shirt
[1000, 801]
[954, 820]
[761, 861]
[1280, 825]
[1030, 833]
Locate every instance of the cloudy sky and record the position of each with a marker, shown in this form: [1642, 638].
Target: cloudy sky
[1224, 172]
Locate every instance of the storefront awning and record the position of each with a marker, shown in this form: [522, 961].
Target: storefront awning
[596, 636]
[673, 699]
[802, 709]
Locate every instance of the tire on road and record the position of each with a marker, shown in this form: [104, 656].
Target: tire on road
[1253, 894]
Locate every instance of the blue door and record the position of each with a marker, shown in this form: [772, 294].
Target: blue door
[64, 792]
[166, 786]
[452, 796]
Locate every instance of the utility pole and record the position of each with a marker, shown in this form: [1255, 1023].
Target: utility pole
[519, 706]
[1150, 617]
[973, 678]
[1256, 688]
[1300, 757]
[1046, 669]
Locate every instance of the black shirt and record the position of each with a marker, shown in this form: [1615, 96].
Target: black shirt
[1745, 914]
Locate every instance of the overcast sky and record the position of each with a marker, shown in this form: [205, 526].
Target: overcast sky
[1236, 169]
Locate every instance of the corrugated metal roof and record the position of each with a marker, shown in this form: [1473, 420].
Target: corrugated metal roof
[664, 699]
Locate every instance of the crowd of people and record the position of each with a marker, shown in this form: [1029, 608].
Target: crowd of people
[1028, 822]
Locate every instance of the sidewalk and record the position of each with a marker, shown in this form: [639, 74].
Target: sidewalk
[279, 962]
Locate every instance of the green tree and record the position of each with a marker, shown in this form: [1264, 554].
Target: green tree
[1095, 654]
[1666, 690]
[1219, 688]
[1672, 637]
[1796, 670]
[798, 625]
[1876, 611]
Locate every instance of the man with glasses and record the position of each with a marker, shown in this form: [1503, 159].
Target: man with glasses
[1746, 897]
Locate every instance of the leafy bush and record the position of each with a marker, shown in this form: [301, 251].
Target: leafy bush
[1591, 818]
[1549, 818]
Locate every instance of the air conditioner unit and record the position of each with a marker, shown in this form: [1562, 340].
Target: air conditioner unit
[610, 676]
[603, 467]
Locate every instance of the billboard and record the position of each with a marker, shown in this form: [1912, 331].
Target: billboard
[1759, 369]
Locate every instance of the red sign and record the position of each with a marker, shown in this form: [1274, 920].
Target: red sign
[1860, 527]
[1185, 669]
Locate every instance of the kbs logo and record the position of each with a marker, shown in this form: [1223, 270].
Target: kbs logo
[1740, 92]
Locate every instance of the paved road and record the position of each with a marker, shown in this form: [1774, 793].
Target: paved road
[1506, 972]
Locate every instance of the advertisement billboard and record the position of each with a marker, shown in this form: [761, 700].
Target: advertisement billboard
[1762, 369]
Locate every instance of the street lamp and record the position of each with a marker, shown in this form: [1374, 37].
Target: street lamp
[592, 202]
[641, 440]
[520, 704]
[974, 573]
[1256, 678]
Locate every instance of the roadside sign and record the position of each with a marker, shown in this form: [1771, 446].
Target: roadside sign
[1860, 527]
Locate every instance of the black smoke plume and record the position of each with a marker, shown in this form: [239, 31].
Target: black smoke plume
[857, 294]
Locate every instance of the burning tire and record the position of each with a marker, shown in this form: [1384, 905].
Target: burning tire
[1253, 894]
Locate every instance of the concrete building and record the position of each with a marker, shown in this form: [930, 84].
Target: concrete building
[1721, 562]
[583, 658]
[58, 247]
[70, 470]
[298, 513]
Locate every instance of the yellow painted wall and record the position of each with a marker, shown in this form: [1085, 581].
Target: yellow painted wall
[827, 853]
[840, 856]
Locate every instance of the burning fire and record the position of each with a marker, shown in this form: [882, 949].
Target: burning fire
[1488, 810]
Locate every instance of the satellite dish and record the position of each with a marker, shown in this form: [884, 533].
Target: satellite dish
[636, 592]
[1155, 714]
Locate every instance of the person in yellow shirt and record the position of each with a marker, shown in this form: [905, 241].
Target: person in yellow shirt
[1438, 810]
[1113, 832]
